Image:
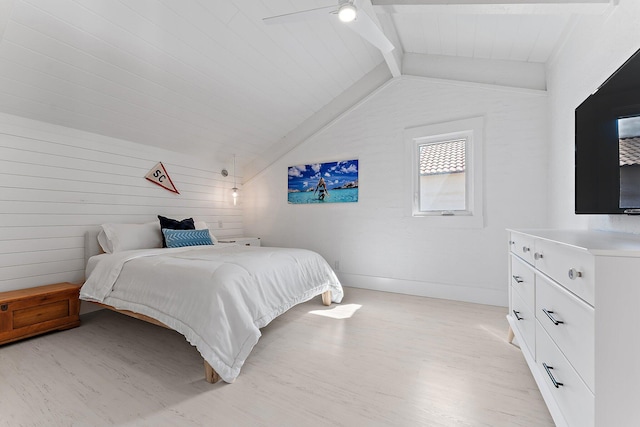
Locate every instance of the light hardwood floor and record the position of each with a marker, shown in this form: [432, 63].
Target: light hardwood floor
[382, 359]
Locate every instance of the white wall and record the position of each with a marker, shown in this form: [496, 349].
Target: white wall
[595, 48]
[56, 182]
[376, 241]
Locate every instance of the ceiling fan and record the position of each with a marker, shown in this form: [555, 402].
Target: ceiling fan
[350, 13]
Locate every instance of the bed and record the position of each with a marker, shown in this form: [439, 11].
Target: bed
[217, 296]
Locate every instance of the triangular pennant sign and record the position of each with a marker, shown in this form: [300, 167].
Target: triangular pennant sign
[158, 175]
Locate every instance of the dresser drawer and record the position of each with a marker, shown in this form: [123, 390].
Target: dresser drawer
[569, 321]
[523, 246]
[524, 320]
[575, 400]
[572, 267]
[523, 281]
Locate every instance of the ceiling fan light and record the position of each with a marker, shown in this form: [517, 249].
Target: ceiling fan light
[347, 12]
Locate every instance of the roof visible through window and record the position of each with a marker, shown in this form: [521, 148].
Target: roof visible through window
[629, 151]
[442, 157]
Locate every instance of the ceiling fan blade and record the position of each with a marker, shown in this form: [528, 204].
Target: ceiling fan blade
[364, 25]
[300, 16]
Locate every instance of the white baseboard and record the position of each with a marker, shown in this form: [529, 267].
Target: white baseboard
[427, 289]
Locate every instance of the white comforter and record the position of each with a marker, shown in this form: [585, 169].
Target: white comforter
[216, 296]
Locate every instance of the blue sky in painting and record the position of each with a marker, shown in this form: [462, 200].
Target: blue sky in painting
[335, 174]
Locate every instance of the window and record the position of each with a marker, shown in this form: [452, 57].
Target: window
[446, 171]
[442, 176]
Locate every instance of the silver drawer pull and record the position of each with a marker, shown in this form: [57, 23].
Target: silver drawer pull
[515, 313]
[537, 255]
[574, 274]
[518, 279]
[549, 315]
[526, 249]
[553, 380]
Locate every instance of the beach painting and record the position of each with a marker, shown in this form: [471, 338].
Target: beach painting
[333, 182]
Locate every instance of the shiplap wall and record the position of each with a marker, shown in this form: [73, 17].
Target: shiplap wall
[376, 243]
[57, 182]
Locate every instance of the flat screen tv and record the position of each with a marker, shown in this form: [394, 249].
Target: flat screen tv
[607, 145]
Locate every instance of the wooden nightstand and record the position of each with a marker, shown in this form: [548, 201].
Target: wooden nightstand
[33, 311]
[246, 241]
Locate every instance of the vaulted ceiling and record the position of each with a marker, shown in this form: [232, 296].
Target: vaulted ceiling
[208, 77]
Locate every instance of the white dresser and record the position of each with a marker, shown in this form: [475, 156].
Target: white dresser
[574, 307]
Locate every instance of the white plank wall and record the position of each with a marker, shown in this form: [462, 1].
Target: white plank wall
[57, 182]
[376, 243]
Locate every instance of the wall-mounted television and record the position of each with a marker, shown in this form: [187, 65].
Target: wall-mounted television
[607, 145]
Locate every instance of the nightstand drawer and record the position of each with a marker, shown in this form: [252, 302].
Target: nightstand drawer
[242, 241]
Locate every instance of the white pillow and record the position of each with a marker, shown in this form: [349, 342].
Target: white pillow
[124, 237]
[201, 225]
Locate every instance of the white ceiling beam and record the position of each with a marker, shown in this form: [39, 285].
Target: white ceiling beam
[515, 2]
[327, 115]
[513, 74]
[6, 6]
[395, 57]
[496, 7]
[384, 21]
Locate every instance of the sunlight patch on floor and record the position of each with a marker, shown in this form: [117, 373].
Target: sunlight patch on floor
[342, 311]
[500, 337]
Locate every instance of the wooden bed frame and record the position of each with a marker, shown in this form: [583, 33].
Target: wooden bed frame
[91, 247]
[210, 375]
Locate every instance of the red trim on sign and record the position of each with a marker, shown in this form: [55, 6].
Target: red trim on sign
[151, 176]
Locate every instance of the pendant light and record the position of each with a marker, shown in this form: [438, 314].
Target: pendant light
[234, 194]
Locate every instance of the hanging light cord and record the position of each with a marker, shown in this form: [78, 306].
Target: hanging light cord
[235, 188]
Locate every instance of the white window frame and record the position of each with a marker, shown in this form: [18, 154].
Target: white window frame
[472, 130]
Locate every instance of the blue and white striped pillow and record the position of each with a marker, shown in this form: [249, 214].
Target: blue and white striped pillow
[180, 238]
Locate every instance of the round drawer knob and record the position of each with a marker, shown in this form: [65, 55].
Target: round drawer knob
[526, 249]
[537, 255]
[574, 274]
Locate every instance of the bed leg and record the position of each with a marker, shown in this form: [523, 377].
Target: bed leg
[326, 298]
[210, 374]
